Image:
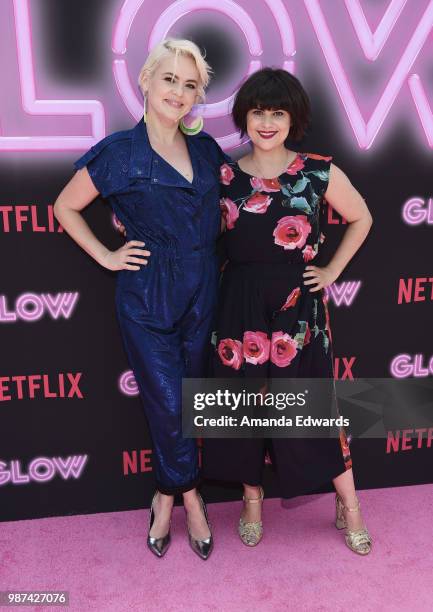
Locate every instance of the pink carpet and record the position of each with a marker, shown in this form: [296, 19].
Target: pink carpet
[301, 564]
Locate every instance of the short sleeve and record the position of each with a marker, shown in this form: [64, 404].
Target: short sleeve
[105, 165]
[223, 157]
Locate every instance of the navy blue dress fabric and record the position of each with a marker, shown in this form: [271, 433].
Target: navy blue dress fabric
[166, 309]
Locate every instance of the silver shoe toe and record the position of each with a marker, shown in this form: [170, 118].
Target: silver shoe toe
[158, 546]
[202, 548]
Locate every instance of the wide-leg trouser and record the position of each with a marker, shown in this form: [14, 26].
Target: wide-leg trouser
[165, 312]
[252, 297]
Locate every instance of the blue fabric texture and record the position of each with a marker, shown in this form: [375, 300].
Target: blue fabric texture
[166, 309]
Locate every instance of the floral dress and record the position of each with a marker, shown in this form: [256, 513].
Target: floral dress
[269, 324]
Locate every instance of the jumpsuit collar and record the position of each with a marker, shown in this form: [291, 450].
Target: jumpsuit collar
[146, 163]
[140, 162]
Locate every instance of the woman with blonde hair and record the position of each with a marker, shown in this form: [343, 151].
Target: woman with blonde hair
[161, 179]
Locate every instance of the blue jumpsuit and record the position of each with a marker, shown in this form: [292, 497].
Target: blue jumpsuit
[166, 309]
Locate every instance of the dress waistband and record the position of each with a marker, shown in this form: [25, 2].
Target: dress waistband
[176, 258]
[258, 269]
[177, 252]
[279, 264]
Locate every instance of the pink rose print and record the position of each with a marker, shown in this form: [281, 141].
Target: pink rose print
[230, 212]
[327, 325]
[292, 232]
[256, 183]
[271, 184]
[322, 238]
[283, 349]
[230, 352]
[295, 166]
[316, 156]
[344, 443]
[265, 184]
[258, 203]
[291, 299]
[226, 174]
[309, 253]
[256, 347]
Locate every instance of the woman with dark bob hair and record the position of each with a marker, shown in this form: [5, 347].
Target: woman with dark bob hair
[272, 317]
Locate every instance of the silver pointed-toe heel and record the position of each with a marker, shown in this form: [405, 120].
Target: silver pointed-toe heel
[202, 548]
[158, 546]
[358, 540]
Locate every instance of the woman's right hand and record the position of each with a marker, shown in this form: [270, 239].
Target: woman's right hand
[125, 257]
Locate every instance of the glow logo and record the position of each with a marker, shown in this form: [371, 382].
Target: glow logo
[327, 30]
[417, 211]
[42, 469]
[30, 307]
[404, 365]
[343, 293]
[127, 383]
[162, 28]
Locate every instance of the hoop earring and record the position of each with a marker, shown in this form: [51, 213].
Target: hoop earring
[194, 128]
[144, 110]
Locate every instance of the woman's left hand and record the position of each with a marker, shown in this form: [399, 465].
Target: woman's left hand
[319, 277]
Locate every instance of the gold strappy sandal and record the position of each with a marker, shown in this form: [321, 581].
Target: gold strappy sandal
[358, 540]
[251, 533]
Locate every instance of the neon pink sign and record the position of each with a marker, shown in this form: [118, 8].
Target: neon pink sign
[42, 469]
[33, 306]
[403, 366]
[128, 384]
[343, 293]
[35, 106]
[248, 20]
[161, 29]
[372, 44]
[417, 211]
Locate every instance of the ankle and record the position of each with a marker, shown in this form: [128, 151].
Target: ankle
[192, 500]
[351, 503]
[252, 493]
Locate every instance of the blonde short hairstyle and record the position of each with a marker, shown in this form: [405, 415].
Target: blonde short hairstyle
[177, 46]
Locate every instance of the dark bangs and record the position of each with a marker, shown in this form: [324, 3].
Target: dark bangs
[273, 89]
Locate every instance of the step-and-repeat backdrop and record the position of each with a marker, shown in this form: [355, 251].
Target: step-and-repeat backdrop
[73, 438]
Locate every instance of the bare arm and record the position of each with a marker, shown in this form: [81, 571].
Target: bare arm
[75, 196]
[348, 202]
